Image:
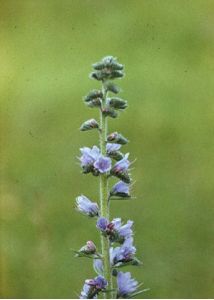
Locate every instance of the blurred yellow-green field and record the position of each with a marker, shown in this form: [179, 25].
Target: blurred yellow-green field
[47, 48]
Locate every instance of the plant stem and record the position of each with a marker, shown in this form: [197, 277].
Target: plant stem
[104, 207]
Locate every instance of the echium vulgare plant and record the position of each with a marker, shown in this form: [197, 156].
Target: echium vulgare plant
[117, 247]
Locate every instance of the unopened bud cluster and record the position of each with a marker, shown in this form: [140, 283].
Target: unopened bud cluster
[105, 162]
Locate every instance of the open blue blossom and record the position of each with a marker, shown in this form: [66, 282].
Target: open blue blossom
[124, 231]
[103, 164]
[116, 231]
[125, 285]
[98, 266]
[92, 287]
[89, 156]
[112, 147]
[85, 206]
[125, 253]
[120, 189]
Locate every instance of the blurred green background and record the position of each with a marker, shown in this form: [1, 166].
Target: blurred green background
[47, 48]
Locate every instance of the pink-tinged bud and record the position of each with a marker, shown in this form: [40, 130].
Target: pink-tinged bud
[91, 246]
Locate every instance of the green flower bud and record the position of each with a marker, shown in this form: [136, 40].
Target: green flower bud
[124, 176]
[117, 155]
[116, 74]
[94, 94]
[116, 137]
[88, 125]
[111, 87]
[117, 103]
[109, 112]
[114, 272]
[98, 66]
[99, 75]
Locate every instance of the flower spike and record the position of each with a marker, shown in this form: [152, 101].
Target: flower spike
[103, 161]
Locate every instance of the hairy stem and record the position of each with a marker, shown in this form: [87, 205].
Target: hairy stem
[104, 206]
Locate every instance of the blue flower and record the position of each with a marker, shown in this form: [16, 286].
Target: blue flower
[102, 224]
[86, 291]
[120, 189]
[112, 147]
[116, 231]
[126, 285]
[89, 156]
[85, 206]
[125, 253]
[98, 265]
[92, 287]
[103, 164]
[124, 231]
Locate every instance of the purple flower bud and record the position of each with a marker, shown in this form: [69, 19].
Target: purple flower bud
[120, 189]
[102, 223]
[126, 285]
[91, 246]
[112, 151]
[120, 169]
[112, 147]
[103, 164]
[125, 253]
[122, 165]
[85, 206]
[98, 266]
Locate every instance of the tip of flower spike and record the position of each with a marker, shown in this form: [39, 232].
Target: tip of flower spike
[108, 62]
[107, 68]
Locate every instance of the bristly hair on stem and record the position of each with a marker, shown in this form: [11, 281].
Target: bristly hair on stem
[105, 161]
